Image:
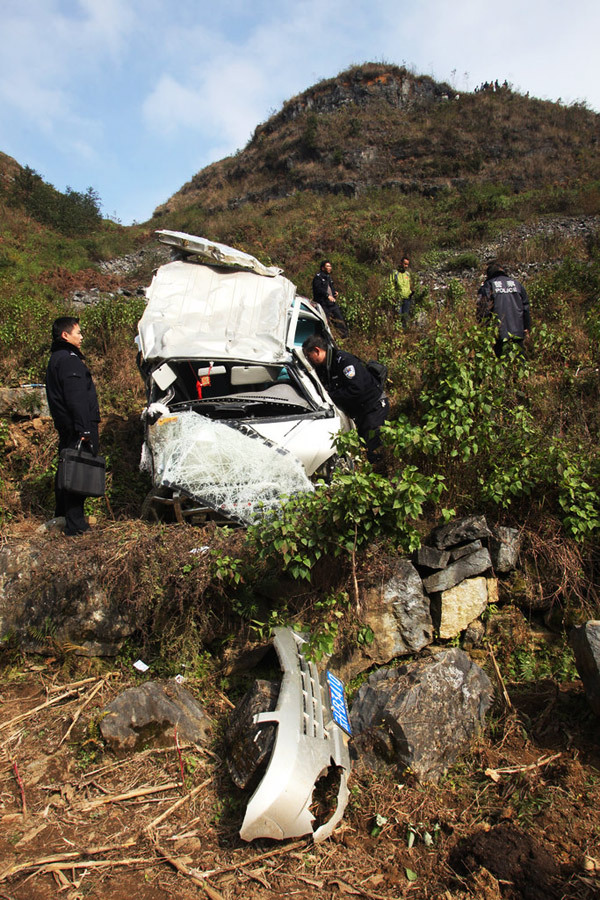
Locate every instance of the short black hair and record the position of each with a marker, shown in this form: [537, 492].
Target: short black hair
[314, 342]
[494, 269]
[63, 323]
[324, 263]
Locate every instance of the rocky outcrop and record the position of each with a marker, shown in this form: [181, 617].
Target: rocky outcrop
[25, 402]
[66, 615]
[422, 715]
[397, 612]
[585, 642]
[361, 86]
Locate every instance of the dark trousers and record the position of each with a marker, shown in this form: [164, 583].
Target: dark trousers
[368, 427]
[405, 308]
[336, 317]
[502, 343]
[68, 504]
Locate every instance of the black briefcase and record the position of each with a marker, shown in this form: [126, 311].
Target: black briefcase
[80, 472]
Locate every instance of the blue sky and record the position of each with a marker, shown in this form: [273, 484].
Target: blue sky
[133, 97]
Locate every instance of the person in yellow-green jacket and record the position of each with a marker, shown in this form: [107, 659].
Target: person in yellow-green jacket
[402, 286]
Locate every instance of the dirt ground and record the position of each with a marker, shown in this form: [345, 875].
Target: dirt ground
[518, 818]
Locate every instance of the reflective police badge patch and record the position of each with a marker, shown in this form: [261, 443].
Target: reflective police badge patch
[349, 372]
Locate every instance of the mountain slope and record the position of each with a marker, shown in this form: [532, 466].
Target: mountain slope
[379, 126]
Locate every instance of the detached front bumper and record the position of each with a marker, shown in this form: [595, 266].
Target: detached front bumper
[308, 743]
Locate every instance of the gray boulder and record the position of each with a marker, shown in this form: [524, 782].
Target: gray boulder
[432, 557]
[585, 641]
[505, 545]
[26, 402]
[466, 567]
[397, 612]
[469, 528]
[465, 550]
[423, 714]
[150, 713]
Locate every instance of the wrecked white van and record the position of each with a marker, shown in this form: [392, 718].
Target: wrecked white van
[235, 417]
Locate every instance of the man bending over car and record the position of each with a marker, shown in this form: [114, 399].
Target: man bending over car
[352, 388]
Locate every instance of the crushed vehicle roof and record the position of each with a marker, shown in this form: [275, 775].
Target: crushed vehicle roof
[217, 303]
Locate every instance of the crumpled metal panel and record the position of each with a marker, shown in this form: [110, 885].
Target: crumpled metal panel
[197, 311]
[307, 743]
[214, 253]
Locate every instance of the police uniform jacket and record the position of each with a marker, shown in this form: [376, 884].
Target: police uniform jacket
[507, 299]
[350, 385]
[322, 282]
[70, 390]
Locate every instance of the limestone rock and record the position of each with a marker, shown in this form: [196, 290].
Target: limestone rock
[469, 528]
[26, 402]
[456, 608]
[423, 714]
[505, 544]
[152, 711]
[465, 550]
[585, 641]
[466, 567]
[398, 614]
[432, 558]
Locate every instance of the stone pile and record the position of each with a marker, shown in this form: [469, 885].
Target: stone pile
[444, 589]
[456, 566]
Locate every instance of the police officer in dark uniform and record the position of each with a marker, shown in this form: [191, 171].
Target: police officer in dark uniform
[506, 299]
[352, 388]
[325, 294]
[74, 408]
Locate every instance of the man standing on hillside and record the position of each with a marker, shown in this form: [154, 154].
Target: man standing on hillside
[506, 299]
[401, 281]
[74, 407]
[325, 294]
[352, 388]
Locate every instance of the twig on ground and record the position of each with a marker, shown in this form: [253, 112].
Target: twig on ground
[505, 695]
[80, 709]
[495, 774]
[129, 795]
[183, 870]
[354, 578]
[208, 873]
[67, 858]
[36, 709]
[75, 684]
[110, 767]
[179, 756]
[176, 805]
[21, 786]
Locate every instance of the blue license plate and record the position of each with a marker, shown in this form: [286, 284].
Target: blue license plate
[339, 710]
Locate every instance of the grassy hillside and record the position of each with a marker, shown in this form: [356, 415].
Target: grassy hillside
[516, 439]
